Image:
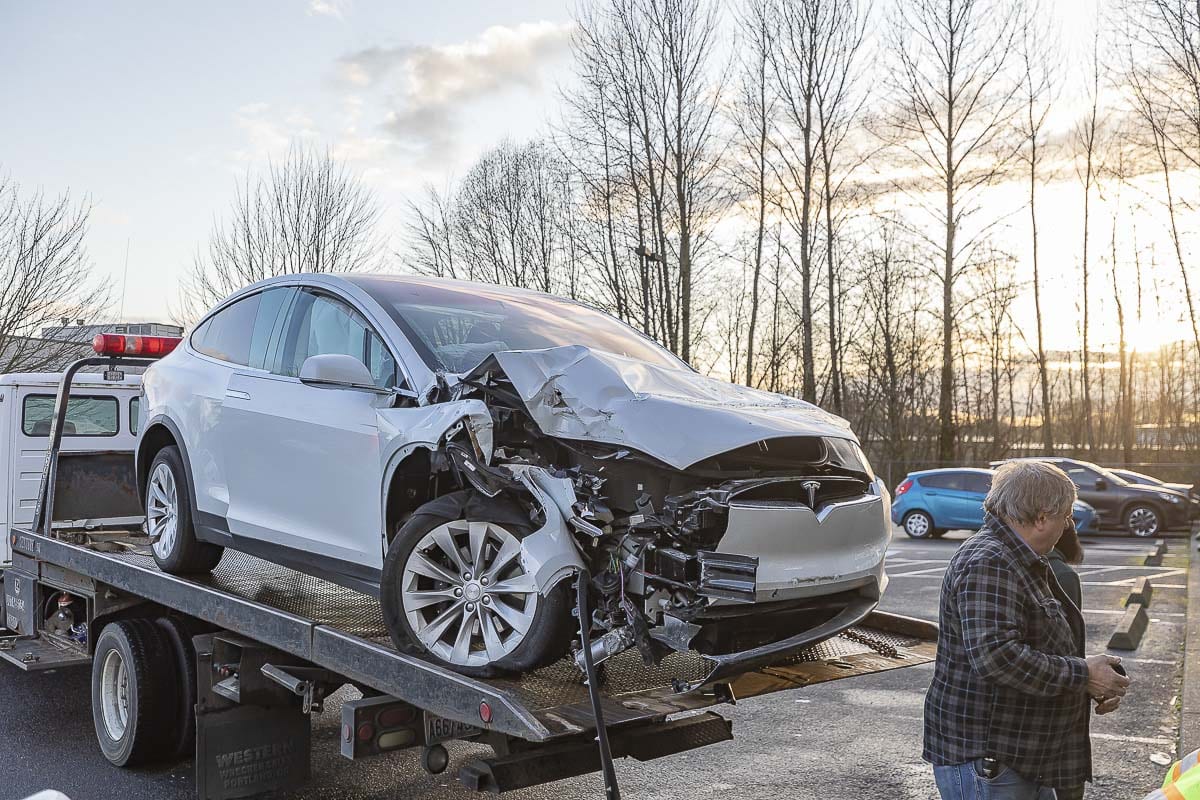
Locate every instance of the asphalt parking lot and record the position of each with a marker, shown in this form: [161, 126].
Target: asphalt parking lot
[859, 737]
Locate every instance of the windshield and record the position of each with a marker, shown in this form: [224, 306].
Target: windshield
[455, 327]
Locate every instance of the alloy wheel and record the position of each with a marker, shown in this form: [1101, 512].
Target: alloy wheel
[466, 595]
[1143, 521]
[162, 510]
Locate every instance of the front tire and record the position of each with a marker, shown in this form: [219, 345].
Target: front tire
[454, 590]
[1143, 521]
[168, 508]
[135, 693]
[918, 525]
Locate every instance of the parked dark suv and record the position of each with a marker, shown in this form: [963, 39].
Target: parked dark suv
[1141, 510]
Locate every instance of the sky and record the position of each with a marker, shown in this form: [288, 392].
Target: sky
[155, 111]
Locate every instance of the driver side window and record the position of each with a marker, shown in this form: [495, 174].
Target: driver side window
[322, 325]
[1082, 478]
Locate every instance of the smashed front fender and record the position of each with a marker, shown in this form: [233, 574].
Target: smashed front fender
[549, 554]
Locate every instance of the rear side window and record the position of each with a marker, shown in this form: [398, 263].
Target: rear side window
[942, 480]
[226, 335]
[87, 415]
[246, 332]
[135, 408]
[977, 483]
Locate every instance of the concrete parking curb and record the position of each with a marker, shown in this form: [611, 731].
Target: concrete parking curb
[1189, 715]
[1130, 629]
[1142, 591]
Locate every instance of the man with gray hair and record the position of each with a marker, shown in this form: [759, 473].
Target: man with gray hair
[1006, 716]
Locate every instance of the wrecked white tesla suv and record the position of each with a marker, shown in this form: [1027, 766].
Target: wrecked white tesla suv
[461, 451]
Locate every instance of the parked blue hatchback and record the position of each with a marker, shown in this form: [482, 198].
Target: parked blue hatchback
[933, 501]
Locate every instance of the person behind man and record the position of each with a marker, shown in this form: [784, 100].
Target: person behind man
[1006, 716]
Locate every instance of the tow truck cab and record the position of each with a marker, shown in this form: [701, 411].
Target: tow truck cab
[102, 420]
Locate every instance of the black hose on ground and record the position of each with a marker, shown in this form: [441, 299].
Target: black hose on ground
[582, 580]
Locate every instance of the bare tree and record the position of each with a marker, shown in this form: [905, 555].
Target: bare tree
[308, 213]
[431, 244]
[1088, 139]
[954, 103]
[45, 277]
[840, 96]
[753, 118]
[1037, 91]
[646, 69]
[1163, 73]
[796, 61]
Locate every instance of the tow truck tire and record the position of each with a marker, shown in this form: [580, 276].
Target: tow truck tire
[179, 632]
[168, 507]
[549, 632]
[135, 693]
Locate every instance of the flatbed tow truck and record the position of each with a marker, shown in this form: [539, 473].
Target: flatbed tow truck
[233, 663]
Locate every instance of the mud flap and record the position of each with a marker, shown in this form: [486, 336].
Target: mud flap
[257, 743]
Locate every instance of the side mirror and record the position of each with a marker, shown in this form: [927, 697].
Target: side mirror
[337, 371]
[1101, 484]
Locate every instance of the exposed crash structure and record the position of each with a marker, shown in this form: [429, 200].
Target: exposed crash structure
[738, 523]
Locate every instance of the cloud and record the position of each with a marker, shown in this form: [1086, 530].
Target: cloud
[328, 8]
[426, 86]
[269, 132]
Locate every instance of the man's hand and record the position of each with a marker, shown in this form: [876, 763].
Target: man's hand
[1108, 706]
[1104, 682]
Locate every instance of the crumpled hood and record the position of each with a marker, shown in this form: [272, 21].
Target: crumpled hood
[674, 415]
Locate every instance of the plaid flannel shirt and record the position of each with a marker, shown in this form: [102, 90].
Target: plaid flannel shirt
[1009, 680]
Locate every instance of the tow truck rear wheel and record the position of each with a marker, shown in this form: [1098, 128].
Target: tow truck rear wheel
[135, 693]
[179, 632]
[169, 518]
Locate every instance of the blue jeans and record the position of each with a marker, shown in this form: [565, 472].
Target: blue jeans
[966, 782]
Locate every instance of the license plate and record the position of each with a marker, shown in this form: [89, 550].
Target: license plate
[440, 729]
[114, 375]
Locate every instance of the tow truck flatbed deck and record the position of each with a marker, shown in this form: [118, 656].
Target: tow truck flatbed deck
[343, 631]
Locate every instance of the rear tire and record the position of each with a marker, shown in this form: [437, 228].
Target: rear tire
[489, 626]
[135, 693]
[179, 632]
[1143, 520]
[918, 525]
[168, 507]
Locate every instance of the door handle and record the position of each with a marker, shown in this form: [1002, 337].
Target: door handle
[237, 394]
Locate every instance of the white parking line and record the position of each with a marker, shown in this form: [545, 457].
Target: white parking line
[912, 562]
[1120, 613]
[1130, 582]
[1112, 737]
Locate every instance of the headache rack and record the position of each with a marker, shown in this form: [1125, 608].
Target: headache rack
[277, 641]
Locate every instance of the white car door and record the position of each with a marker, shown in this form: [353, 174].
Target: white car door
[307, 474]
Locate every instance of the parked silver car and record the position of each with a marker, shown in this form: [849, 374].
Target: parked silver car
[461, 450]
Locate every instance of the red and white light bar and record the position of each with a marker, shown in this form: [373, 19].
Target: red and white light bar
[118, 344]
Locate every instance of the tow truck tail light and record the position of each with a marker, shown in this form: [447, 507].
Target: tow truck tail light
[118, 344]
[904, 486]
